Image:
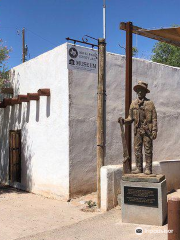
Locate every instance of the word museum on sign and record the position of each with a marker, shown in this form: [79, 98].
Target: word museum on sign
[82, 64]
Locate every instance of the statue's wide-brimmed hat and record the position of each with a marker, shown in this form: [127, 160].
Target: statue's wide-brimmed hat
[143, 85]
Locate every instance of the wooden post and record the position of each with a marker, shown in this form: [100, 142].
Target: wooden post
[23, 46]
[100, 114]
[174, 218]
[128, 85]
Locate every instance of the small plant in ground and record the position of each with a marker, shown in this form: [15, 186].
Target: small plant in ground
[90, 203]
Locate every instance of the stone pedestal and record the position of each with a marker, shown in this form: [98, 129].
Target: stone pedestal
[144, 199]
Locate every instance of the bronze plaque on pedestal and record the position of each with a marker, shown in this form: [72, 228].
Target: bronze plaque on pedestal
[140, 196]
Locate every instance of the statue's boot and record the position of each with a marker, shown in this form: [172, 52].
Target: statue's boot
[139, 165]
[148, 168]
[136, 171]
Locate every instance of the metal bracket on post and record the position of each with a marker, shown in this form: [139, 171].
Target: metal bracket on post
[83, 41]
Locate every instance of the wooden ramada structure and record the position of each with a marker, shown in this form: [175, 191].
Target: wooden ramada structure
[167, 35]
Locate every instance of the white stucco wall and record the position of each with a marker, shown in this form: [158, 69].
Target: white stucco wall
[44, 125]
[59, 132]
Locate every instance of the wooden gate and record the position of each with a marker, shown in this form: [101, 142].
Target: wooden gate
[15, 155]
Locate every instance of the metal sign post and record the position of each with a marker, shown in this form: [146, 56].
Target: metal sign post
[104, 19]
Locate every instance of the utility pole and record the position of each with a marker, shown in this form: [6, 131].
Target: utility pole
[104, 36]
[23, 46]
[101, 113]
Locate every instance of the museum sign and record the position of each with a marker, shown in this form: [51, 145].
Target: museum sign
[83, 59]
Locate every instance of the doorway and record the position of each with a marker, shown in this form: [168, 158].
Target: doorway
[15, 155]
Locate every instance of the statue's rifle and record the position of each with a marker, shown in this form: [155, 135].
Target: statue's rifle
[126, 161]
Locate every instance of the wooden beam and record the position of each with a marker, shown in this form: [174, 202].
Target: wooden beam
[44, 92]
[23, 98]
[143, 32]
[15, 101]
[7, 102]
[128, 91]
[2, 105]
[33, 96]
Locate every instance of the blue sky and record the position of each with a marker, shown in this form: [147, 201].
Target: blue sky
[49, 22]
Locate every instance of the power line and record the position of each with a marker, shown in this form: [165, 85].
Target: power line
[18, 32]
[10, 27]
[41, 37]
[16, 28]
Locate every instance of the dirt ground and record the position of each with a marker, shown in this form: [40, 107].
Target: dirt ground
[23, 214]
[27, 216]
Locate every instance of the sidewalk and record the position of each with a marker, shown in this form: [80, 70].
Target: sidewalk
[103, 227]
[26, 216]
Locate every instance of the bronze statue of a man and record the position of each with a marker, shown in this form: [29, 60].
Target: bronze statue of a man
[143, 113]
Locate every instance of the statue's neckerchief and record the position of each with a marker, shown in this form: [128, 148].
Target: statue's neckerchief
[141, 102]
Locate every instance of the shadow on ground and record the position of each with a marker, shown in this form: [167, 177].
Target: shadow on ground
[5, 189]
